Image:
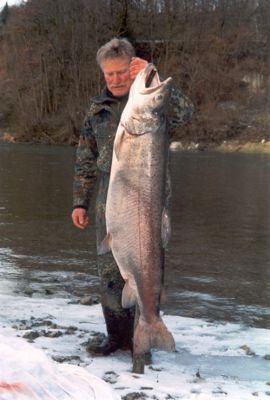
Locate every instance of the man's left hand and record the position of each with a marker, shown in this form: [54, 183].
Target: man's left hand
[136, 65]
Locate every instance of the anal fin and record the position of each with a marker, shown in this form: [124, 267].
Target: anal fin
[105, 245]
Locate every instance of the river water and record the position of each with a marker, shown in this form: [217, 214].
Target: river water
[218, 260]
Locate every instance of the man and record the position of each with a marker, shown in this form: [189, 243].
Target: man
[94, 155]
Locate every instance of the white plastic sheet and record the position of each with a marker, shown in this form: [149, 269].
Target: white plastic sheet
[27, 373]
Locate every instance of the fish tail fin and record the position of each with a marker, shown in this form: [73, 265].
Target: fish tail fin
[156, 334]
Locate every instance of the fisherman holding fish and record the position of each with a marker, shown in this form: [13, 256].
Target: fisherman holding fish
[120, 67]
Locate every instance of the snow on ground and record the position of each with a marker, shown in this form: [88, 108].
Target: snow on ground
[213, 360]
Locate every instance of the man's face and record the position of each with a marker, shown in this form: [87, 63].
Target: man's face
[117, 77]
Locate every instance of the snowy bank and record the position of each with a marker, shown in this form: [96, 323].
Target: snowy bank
[213, 360]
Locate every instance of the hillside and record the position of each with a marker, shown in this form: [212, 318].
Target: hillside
[218, 53]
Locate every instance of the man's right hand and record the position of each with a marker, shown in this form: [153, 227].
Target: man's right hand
[79, 218]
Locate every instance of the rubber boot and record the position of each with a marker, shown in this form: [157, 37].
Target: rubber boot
[120, 334]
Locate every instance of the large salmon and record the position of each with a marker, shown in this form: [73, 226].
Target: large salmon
[136, 213]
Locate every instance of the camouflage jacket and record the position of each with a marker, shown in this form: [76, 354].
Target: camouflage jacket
[94, 151]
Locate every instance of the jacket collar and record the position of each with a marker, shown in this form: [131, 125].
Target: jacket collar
[105, 99]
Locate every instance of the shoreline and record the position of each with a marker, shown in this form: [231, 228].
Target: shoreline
[227, 146]
[232, 146]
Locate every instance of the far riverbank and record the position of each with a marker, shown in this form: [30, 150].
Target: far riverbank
[230, 146]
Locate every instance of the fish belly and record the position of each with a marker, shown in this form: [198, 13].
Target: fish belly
[134, 209]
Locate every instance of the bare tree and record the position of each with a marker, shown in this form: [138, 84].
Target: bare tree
[210, 47]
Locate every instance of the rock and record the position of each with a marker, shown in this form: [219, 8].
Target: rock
[31, 335]
[135, 396]
[41, 322]
[110, 377]
[267, 357]
[155, 368]
[176, 146]
[247, 350]
[51, 324]
[219, 390]
[48, 292]
[62, 359]
[191, 146]
[201, 146]
[23, 327]
[71, 330]
[198, 375]
[53, 334]
[96, 339]
[29, 291]
[74, 302]
[89, 300]
[8, 138]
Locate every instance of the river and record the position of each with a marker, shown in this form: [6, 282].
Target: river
[218, 260]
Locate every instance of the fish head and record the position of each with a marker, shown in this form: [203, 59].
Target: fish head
[148, 99]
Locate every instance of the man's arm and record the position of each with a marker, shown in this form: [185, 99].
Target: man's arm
[180, 109]
[85, 174]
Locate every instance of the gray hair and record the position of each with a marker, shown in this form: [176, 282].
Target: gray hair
[115, 48]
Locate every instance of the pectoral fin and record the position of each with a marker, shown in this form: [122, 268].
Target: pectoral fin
[128, 296]
[118, 143]
[165, 227]
[105, 245]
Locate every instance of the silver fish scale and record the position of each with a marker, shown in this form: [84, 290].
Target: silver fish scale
[134, 219]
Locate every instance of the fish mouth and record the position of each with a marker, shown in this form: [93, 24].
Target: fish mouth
[151, 81]
[150, 76]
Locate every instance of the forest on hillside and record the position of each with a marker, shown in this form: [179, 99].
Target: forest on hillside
[217, 51]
